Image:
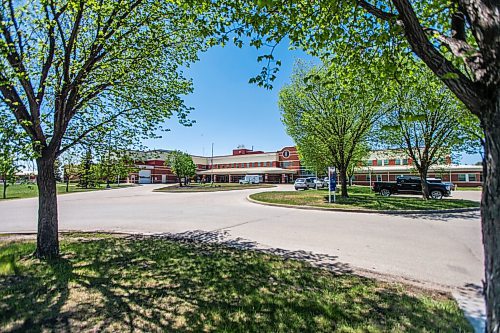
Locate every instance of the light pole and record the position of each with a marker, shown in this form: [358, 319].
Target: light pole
[212, 167]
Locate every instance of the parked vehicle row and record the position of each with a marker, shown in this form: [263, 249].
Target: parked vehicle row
[310, 182]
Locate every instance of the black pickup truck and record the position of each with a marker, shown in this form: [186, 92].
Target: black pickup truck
[412, 185]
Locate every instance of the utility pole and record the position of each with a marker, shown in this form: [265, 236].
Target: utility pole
[108, 166]
[212, 166]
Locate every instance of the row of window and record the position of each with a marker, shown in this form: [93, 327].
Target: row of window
[397, 161]
[242, 165]
[469, 177]
[462, 177]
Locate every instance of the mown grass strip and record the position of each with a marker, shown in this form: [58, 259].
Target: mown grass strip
[149, 284]
[360, 197]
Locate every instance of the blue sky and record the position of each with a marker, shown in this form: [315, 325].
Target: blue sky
[228, 110]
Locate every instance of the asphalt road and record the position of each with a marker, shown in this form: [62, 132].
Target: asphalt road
[443, 249]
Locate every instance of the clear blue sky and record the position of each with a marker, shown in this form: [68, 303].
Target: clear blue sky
[228, 110]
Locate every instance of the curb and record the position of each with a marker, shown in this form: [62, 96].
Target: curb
[201, 191]
[367, 211]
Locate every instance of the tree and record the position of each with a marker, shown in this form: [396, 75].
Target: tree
[331, 113]
[86, 171]
[426, 124]
[181, 164]
[123, 167]
[458, 40]
[114, 165]
[10, 150]
[70, 68]
[8, 170]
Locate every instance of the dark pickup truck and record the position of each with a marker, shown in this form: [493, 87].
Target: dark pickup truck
[412, 185]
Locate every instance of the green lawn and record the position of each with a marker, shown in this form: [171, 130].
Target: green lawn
[19, 191]
[108, 283]
[360, 197]
[216, 187]
[479, 188]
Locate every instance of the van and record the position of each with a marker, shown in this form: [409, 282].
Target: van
[251, 179]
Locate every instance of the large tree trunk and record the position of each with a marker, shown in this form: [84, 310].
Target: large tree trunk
[4, 181]
[490, 211]
[47, 242]
[423, 182]
[343, 176]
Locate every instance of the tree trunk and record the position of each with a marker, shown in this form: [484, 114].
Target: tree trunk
[180, 181]
[490, 215]
[67, 184]
[47, 242]
[343, 176]
[4, 181]
[423, 183]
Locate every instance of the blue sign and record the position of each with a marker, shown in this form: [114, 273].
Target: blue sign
[333, 178]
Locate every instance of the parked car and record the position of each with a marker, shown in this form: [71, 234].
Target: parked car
[320, 183]
[304, 183]
[412, 185]
[317, 182]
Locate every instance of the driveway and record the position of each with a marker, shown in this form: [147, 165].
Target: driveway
[443, 249]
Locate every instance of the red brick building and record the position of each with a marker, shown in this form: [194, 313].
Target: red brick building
[283, 166]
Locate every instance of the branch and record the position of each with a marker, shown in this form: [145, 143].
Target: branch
[459, 48]
[16, 27]
[377, 12]
[89, 130]
[14, 102]
[461, 86]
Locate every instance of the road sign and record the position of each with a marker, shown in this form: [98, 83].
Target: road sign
[332, 184]
[332, 175]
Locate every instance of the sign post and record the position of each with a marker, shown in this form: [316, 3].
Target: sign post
[332, 183]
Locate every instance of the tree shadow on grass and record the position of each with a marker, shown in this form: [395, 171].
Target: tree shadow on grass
[191, 284]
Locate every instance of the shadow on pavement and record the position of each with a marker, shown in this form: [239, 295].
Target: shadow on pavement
[444, 217]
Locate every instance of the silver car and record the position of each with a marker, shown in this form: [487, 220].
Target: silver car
[304, 183]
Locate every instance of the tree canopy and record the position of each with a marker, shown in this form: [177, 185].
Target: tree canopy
[74, 69]
[181, 164]
[330, 112]
[426, 123]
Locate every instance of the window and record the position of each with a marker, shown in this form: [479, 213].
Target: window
[386, 162]
[379, 162]
[397, 161]
[405, 161]
[368, 178]
[286, 154]
[462, 177]
[379, 178]
[472, 177]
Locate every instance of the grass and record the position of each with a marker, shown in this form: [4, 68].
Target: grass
[19, 191]
[478, 188]
[217, 187]
[360, 197]
[150, 284]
